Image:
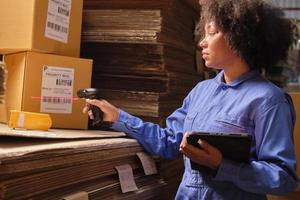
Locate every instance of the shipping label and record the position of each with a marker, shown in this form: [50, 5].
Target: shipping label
[58, 20]
[57, 89]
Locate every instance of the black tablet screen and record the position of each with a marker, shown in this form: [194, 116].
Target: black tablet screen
[235, 147]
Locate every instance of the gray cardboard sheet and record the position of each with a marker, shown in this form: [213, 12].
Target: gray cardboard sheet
[30, 148]
[58, 133]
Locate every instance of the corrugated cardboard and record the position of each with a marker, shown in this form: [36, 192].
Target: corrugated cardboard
[24, 80]
[296, 100]
[57, 133]
[23, 25]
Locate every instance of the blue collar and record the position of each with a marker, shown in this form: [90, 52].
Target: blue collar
[251, 74]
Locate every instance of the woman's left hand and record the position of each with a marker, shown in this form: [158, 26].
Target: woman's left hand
[208, 156]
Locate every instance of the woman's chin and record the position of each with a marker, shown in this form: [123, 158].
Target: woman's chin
[209, 65]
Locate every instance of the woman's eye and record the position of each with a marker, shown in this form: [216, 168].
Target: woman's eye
[212, 33]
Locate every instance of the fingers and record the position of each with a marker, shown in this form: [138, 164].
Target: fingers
[194, 153]
[102, 104]
[206, 146]
[110, 112]
[95, 102]
[184, 144]
[91, 115]
[190, 150]
[86, 108]
[207, 155]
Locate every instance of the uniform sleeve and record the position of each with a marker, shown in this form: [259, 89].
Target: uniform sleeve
[273, 171]
[156, 140]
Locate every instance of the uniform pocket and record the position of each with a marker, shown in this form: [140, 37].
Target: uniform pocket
[193, 179]
[189, 120]
[233, 124]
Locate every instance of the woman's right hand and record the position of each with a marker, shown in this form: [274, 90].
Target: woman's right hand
[110, 112]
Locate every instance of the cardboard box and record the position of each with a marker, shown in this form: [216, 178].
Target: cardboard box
[47, 83]
[50, 26]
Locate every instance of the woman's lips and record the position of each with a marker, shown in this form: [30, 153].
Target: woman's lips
[204, 55]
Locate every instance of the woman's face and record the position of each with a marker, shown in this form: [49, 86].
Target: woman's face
[215, 50]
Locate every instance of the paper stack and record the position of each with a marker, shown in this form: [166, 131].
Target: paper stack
[39, 168]
[141, 48]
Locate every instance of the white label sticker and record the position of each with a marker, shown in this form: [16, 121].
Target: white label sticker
[58, 20]
[148, 163]
[21, 120]
[57, 89]
[126, 178]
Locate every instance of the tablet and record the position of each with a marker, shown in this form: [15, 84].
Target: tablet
[235, 146]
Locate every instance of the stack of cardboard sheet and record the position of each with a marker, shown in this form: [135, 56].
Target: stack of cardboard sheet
[152, 59]
[174, 27]
[148, 105]
[2, 81]
[171, 171]
[44, 168]
[141, 48]
[136, 4]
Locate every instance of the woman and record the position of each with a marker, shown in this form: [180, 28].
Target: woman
[241, 37]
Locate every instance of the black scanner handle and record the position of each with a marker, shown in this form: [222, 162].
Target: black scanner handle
[98, 115]
[92, 93]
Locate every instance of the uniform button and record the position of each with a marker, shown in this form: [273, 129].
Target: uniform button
[224, 87]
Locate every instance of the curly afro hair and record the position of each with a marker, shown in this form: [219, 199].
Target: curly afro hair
[254, 29]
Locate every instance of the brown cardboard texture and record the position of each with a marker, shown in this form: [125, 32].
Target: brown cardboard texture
[296, 100]
[57, 133]
[48, 83]
[24, 25]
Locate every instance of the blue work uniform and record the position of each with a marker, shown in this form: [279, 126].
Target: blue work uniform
[250, 104]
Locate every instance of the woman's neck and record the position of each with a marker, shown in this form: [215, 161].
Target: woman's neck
[235, 71]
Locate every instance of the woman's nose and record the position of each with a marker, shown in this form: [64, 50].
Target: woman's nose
[202, 43]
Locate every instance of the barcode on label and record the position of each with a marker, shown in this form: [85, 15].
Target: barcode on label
[63, 11]
[57, 27]
[63, 82]
[56, 100]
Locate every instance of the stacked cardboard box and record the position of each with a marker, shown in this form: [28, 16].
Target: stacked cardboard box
[144, 53]
[40, 40]
[56, 169]
[49, 26]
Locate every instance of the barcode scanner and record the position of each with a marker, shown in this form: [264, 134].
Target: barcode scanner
[92, 93]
